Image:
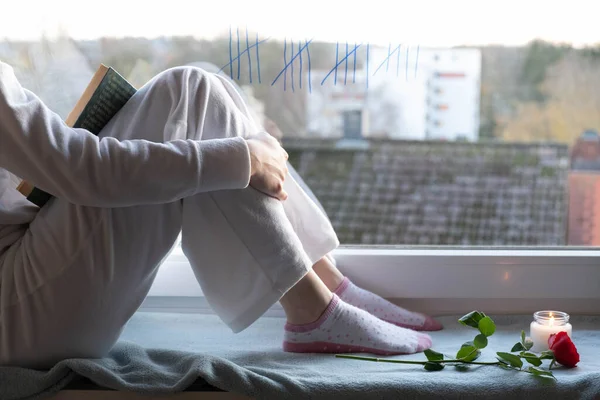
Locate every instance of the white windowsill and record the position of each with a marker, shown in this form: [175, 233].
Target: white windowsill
[434, 280]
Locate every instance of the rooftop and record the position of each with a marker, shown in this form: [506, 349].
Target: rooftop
[438, 193]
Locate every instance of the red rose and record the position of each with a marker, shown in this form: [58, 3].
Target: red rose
[564, 350]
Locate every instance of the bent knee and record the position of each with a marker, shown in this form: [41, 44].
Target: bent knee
[205, 101]
[193, 82]
[179, 80]
[183, 73]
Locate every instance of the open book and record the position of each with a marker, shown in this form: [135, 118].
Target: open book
[104, 96]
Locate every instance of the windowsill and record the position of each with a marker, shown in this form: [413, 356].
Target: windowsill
[436, 280]
[259, 349]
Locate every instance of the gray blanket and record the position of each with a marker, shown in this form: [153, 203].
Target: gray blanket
[165, 353]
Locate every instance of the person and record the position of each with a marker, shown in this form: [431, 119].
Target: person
[182, 156]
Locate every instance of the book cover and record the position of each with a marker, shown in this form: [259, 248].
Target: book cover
[104, 96]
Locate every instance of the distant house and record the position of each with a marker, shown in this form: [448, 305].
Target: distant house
[402, 92]
[584, 191]
[586, 152]
[438, 193]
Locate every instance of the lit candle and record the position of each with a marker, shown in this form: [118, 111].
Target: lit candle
[544, 324]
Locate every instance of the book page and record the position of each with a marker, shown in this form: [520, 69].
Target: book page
[87, 94]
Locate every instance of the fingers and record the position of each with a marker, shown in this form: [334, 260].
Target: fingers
[270, 185]
[279, 195]
[271, 168]
[282, 173]
[279, 192]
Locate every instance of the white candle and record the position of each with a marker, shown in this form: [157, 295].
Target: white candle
[544, 324]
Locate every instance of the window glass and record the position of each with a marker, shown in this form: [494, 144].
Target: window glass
[425, 123]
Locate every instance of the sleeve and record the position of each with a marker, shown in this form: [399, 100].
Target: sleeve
[76, 165]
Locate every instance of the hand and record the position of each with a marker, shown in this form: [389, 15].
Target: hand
[268, 165]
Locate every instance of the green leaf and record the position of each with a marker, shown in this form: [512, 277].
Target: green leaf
[486, 326]
[433, 366]
[552, 363]
[547, 355]
[480, 341]
[513, 360]
[462, 367]
[517, 347]
[534, 361]
[472, 319]
[526, 342]
[531, 358]
[468, 352]
[540, 372]
[433, 355]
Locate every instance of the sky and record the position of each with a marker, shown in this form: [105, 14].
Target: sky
[423, 22]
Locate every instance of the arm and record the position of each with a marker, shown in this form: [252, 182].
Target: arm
[75, 165]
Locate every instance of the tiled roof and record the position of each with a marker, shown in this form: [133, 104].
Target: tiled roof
[430, 193]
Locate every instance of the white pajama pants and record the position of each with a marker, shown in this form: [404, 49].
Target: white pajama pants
[79, 273]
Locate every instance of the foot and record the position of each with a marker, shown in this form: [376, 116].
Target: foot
[343, 328]
[383, 309]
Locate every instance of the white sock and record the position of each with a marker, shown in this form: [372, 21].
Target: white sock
[343, 328]
[383, 309]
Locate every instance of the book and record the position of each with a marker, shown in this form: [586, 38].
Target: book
[104, 96]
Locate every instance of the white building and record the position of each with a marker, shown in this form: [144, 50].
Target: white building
[337, 109]
[403, 93]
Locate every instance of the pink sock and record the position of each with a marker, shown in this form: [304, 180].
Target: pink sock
[343, 328]
[383, 309]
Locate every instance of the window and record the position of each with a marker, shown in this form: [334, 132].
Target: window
[513, 166]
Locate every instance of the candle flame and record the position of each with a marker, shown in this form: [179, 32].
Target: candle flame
[551, 320]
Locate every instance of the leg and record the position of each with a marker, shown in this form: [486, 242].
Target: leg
[305, 302]
[329, 274]
[309, 221]
[312, 227]
[370, 302]
[76, 277]
[307, 299]
[340, 327]
[267, 246]
[333, 278]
